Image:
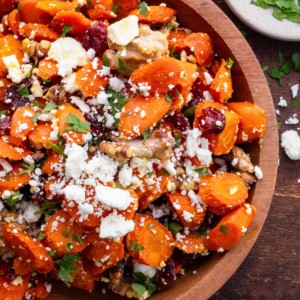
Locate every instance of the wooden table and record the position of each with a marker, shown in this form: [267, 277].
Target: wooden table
[272, 269]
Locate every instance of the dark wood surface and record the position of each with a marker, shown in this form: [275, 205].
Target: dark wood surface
[272, 269]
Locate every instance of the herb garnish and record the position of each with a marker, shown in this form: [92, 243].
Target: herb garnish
[67, 266]
[77, 125]
[66, 30]
[143, 8]
[223, 228]
[136, 247]
[23, 91]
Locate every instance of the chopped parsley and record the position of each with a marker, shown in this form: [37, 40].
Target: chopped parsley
[146, 134]
[189, 112]
[115, 8]
[168, 97]
[77, 239]
[3, 112]
[66, 30]
[49, 107]
[143, 8]
[13, 200]
[229, 63]
[105, 60]
[201, 171]
[26, 168]
[295, 102]
[56, 149]
[177, 140]
[175, 227]
[223, 228]
[23, 91]
[136, 247]
[47, 208]
[67, 266]
[65, 233]
[123, 66]
[77, 125]
[40, 236]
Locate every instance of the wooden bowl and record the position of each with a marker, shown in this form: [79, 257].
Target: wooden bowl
[249, 85]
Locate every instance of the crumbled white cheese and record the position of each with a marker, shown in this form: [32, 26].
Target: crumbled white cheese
[125, 175]
[145, 269]
[5, 165]
[290, 141]
[36, 89]
[116, 84]
[16, 72]
[282, 102]
[258, 172]
[75, 193]
[293, 120]
[80, 104]
[29, 215]
[294, 90]
[69, 83]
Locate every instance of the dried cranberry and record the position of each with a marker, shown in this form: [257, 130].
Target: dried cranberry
[4, 125]
[166, 275]
[97, 128]
[186, 259]
[9, 276]
[180, 122]
[95, 37]
[196, 91]
[211, 121]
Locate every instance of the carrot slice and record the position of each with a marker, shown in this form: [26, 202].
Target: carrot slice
[27, 248]
[63, 234]
[38, 32]
[155, 15]
[9, 46]
[252, 121]
[10, 151]
[40, 136]
[53, 7]
[190, 243]
[125, 7]
[89, 81]
[132, 123]
[47, 68]
[15, 180]
[63, 112]
[13, 21]
[187, 74]
[101, 10]
[39, 290]
[6, 6]
[222, 191]
[150, 243]
[30, 13]
[230, 229]
[4, 83]
[22, 267]
[202, 46]
[21, 124]
[176, 39]
[190, 213]
[76, 20]
[221, 87]
[52, 163]
[223, 142]
[158, 75]
[84, 280]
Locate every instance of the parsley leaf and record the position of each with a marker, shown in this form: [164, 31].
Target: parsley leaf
[115, 8]
[146, 134]
[295, 102]
[26, 168]
[279, 124]
[49, 107]
[77, 239]
[65, 233]
[56, 149]
[143, 8]
[67, 266]
[139, 289]
[23, 91]
[189, 112]
[168, 97]
[201, 171]
[13, 200]
[76, 124]
[223, 228]
[105, 60]
[136, 247]
[229, 63]
[47, 208]
[175, 227]
[3, 112]
[66, 30]
[40, 236]
[123, 66]
[177, 140]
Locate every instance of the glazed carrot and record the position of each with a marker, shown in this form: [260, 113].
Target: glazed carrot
[190, 243]
[47, 68]
[177, 38]
[10, 46]
[190, 213]
[38, 32]
[188, 73]
[231, 228]
[64, 113]
[252, 121]
[6, 6]
[132, 123]
[151, 244]
[9, 290]
[201, 44]
[63, 234]
[88, 80]
[52, 7]
[39, 137]
[21, 124]
[39, 290]
[4, 83]
[221, 87]
[125, 7]
[30, 13]
[223, 142]
[180, 97]
[13, 21]
[53, 161]
[22, 267]
[155, 15]
[10, 151]
[101, 10]
[84, 279]
[14, 180]
[76, 20]
[159, 75]
[222, 191]
[27, 248]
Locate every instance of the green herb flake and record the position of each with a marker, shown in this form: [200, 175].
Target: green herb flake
[202, 231]
[175, 227]
[69, 246]
[23, 91]
[265, 68]
[13, 200]
[139, 289]
[189, 112]
[136, 247]
[229, 63]
[3, 112]
[123, 66]
[105, 60]
[26, 168]
[223, 228]
[296, 61]
[53, 253]
[77, 125]
[201, 171]
[67, 266]
[65, 233]
[66, 30]
[47, 208]
[115, 8]
[89, 4]
[151, 225]
[49, 107]
[35, 103]
[118, 185]
[295, 102]
[56, 149]
[177, 140]
[45, 80]
[77, 239]
[146, 134]
[143, 8]
[279, 124]
[140, 276]
[40, 236]
[168, 98]
[35, 117]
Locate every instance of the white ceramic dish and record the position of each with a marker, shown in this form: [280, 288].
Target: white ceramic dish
[262, 21]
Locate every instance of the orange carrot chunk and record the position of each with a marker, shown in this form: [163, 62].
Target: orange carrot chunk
[22, 267]
[40, 136]
[222, 192]
[47, 68]
[52, 7]
[177, 38]
[6, 6]
[230, 229]
[190, 243]
[125, 7]
[39, 290]
[252, 121]
[27, 248]
[152, 243]
[52, 163]
[38, 32]
[30, 13]
[101, 10]
[13, 21]
[10, 151]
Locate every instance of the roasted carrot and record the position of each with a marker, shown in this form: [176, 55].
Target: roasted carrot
[27, 248]
[40, 136]
[21, 124]
[231, 228]
[89, 81]
[38, 32]
[63, 234]
[52, 163]
[252, 121]
[190, 243]
[84, 279]
[14, 179]
[78, 22]
[221, 87]
[187, 74]
[10, 151]
[222, 191]
[177, 38]
[150, 242]
[52, 7]
[155, 15]
[39, 289]
[13, 21]
[6, 6]
[201, 44]
[22, 267]
[191, 213]
[125, 7]
[30, 13]
[133, 123]
[158, 75]
[180, 96]
[47, 69]
[4, 83]
[101, 10]
[223, 142]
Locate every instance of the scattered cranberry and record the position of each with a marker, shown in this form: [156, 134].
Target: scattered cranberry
[180, 122]
[211, 121]
[166, 275]
[4, 125]
[196, 91]
[187, 260]
[98, 129]
[9, 276]
[95, 37]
